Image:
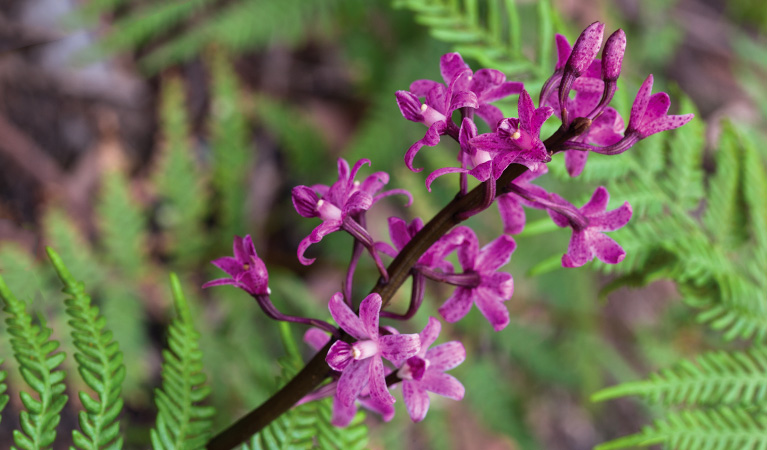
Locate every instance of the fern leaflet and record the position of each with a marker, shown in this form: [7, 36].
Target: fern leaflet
[3, 387]
[182, 423]
[34, 350]
[722, 428]
[100, 363]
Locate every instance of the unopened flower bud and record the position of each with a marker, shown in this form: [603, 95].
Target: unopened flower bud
[612, 55]
[585, 49]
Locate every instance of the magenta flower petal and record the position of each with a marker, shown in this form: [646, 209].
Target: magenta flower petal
[457, 306]
[492, 308]
[443, 171]
[613, 220]
[597, 203]
[370, 308]
[422, 87]
[607, 250]
[221, 282]
[429, 334]
[353, 379]
[563, 51]
[345, 317]
[512, 214]
[431, 139]
[378, 388]
[305, 201]
[314, 237]
[443, 384]
[342, 414]
[400, 346]
[316, 338]
[495, 254]
[416, 400]
[640, 104]
[446, 356]
[575, 161]
[339, 356]
[451, 66]
[228, 264]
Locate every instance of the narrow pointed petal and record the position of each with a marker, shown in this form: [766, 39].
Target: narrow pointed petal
[563, 51]
[443, 171]
[640, 104]
[578, 251]
[504, 90]
[316, 338]
[575, 161]
[495, 254]
[431, 139]
[370, 308]
[597, 203]
[451, 66]
[423, 87]
[345, 317]
[540, 116]
[443, 384]
[416, 400]
[526, 110]
[353, 380]
[315, 236]
[457, 306]
[240, 248]
[657, 107]
[342, 414]
[429, 334]
[231, 266]
[492, 308]
[220, 282]
[665, 124]
[446, 356]
[378, 389]
[398, 231]
[607, 250]
[612, 220]
[400, 346]
[512, 214]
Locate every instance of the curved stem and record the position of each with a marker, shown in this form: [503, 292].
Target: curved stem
[316, 370]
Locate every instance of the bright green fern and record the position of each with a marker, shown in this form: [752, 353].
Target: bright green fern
[182, 423]
[38, 361]
[100, 363]
[489, 31]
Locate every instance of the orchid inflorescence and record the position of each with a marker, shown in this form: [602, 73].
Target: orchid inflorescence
[506, 161]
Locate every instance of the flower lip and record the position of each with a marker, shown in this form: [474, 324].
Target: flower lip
[364, 349]
[413, 369]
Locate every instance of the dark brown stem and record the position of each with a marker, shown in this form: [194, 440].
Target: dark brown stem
[316, 370]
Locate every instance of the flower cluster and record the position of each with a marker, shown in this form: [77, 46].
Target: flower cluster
[367, 359]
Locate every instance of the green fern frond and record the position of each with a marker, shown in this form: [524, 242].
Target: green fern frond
[122, 225]
[34, 351]
[100, 363]
[182, 423]
[232, 153]
[179, 181]
[722, 428]
[3, 387]
[713, 378]
[488, 32]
